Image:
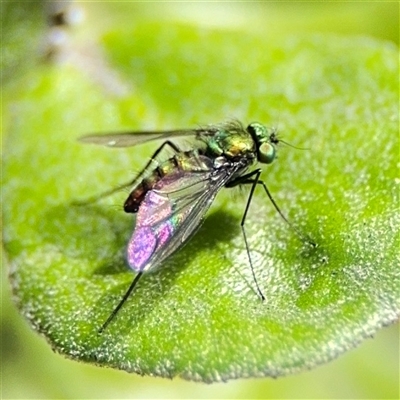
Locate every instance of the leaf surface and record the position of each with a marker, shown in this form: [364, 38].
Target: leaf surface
[199, 316]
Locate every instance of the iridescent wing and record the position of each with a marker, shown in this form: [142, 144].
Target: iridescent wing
[127, 139]
[172, 212]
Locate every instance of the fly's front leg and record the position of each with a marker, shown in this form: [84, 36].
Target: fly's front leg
[247, 179]
[116, 189]
[252, 178]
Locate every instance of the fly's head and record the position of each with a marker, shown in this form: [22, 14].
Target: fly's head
[266, 142]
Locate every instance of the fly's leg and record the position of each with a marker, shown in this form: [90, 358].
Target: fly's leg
[253, 179]
[249, 180]
[116, 189]
[246, 179]
[121, 303]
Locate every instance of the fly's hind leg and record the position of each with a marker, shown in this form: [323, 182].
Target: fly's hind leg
[121, 303]
[132, 182]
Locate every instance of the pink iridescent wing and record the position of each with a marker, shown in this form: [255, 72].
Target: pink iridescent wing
[171, 213]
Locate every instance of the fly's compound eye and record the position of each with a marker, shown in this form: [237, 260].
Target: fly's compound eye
[266, 153]
[257, 131]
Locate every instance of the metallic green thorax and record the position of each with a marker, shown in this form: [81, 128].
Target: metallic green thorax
[233, 142]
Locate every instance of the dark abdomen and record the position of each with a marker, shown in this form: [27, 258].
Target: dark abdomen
[185, 161]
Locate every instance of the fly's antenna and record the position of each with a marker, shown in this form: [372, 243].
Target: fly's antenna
[275, 131]
[294, 147]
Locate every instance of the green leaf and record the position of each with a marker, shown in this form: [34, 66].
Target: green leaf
[199, 316]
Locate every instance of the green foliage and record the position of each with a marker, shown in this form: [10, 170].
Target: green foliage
[198, 316]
